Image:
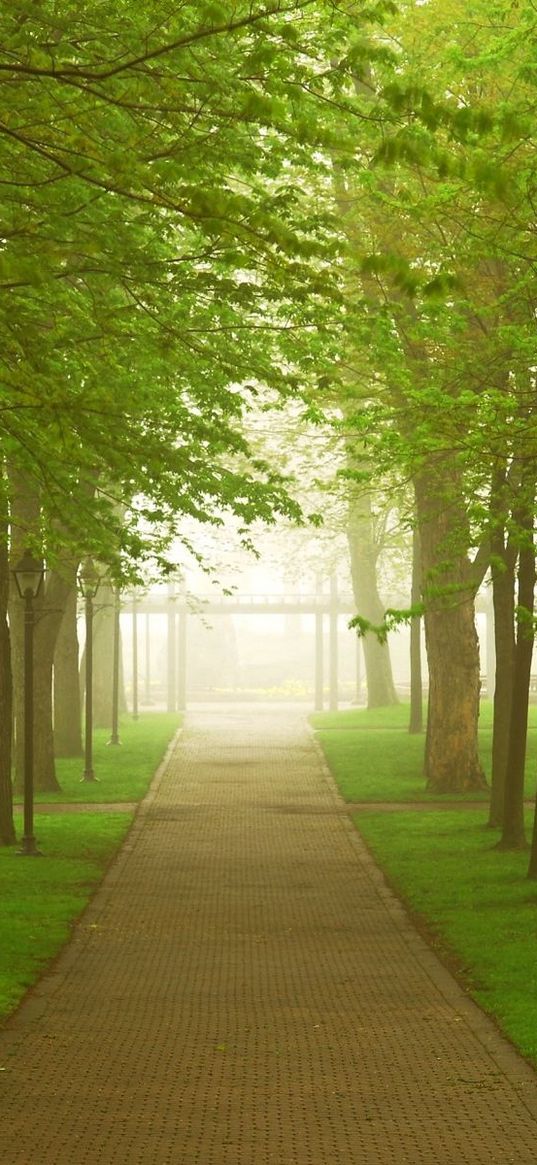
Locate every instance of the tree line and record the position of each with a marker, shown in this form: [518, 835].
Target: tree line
[328, 203]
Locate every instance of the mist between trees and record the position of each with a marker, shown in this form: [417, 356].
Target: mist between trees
[276, 268]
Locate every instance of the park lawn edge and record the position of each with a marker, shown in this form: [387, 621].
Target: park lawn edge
[483, 890]
[40, 932]
[68, 902]
[487, 978]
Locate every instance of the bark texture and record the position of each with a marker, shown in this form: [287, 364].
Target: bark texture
[7, 828]
[49, 608]
[503, 599]
[452, 761]
[416, 682]
[364, 554]
[513, 833]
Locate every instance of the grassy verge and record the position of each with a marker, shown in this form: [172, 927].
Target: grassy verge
[40, 898]
[474, 902]
[377, 760]
[123, 771]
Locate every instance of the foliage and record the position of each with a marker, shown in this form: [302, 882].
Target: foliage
[165, 255]
[439, 219]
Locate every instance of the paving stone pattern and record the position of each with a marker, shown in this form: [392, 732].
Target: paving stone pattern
[245, 990]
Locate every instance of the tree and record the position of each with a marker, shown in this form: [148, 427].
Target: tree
[159, 262]
[416, 682]
[513, 831]
[7, 830]
[446, 312]
[364, 551]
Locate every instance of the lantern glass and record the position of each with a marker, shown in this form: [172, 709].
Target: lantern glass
[88, 579]
[28, 574]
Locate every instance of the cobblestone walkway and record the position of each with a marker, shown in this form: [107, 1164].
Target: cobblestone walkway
[243, 991]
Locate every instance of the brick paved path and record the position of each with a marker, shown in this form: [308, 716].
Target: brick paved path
[243, 990]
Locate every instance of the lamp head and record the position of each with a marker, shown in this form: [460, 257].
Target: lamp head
[88, 579]
[28, 574]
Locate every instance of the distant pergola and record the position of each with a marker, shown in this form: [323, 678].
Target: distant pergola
[179, 607]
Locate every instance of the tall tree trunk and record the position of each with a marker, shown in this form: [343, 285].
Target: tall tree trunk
[513, 834]
[363, 554]
[25, 523]
[49, 614]
[452, 761]
[67, 711]
[503, 598]
[7, 828]
[416, 685]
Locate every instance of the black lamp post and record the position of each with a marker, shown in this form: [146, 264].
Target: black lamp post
[88, 582]
[28, 574]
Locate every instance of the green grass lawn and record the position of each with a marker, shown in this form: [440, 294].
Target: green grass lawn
[123, 770]
[395, 717]
[475, 903]
[377, 760]
[40, 898]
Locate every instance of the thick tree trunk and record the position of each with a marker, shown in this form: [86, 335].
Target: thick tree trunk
[48, 616]
[44, 766]
[513, 834]
[67, 711]
[7, 828]
[452, 761]
[25, 522]
[363, 554]
[503, 598]
[416, 683]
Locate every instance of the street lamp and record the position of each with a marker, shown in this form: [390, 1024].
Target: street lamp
[88, 582]
[28, 574]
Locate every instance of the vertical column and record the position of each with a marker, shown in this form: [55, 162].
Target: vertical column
[318, 660]
[134, 659]
[29, 847]
[147, 659]
[333, 646]
[491, 651]
[172, 652]
[88, 774]
[358, 650]
[114, 738]
[181, 661]
[416, 680]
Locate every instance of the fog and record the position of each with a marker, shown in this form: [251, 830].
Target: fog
[258, 641]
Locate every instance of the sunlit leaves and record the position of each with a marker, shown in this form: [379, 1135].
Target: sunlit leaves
[163, 243]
